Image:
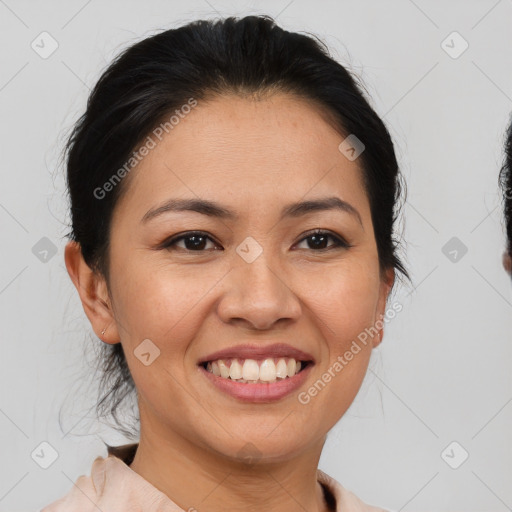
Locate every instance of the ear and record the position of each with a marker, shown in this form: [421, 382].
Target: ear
[507, 262]
[385, 287]
[93, 293]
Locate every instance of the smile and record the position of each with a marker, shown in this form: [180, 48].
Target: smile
[252, 389]
[255, 371]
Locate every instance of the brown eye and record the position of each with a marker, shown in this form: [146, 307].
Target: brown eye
[318, 241]
[193, 241]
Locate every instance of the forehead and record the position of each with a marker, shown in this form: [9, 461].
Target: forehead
[248, 152]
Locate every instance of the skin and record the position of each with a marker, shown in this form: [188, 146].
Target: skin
[507, 262]
[253, 157]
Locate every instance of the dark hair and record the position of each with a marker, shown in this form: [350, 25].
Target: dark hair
[148, 81]
[505, 180]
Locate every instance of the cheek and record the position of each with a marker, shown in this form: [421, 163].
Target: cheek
[344, 303]
[344, 308]
[159, 305]
[162, 303]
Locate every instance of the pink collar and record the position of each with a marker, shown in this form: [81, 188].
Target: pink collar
[115, 487]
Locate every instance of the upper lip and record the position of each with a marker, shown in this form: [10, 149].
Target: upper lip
[253, 351]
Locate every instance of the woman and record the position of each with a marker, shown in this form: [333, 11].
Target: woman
[233, 198]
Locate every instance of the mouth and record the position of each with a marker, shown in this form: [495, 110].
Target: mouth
[256, 371]
[257, 381]
[257, 364]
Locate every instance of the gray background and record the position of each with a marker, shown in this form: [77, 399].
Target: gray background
[442, 373]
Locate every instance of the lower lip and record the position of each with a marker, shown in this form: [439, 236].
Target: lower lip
[263, 392]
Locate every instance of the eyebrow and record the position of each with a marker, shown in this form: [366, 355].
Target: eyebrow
[213, 209]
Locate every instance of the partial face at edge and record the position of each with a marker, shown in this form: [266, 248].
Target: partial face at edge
[507, 262]
[253, 158]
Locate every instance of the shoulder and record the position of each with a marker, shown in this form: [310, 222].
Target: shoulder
[114, 487]
[84, 493]
[345, 499]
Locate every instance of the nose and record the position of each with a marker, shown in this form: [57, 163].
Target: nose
[258, 296]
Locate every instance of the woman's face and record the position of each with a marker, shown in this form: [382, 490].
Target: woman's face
[256, 278]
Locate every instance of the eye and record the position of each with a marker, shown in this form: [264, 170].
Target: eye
[197, 241]
[193, 241]
[319, 238]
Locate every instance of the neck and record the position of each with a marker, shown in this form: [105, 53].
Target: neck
[198, 479]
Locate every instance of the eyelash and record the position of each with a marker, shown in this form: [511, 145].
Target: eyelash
[339, 243]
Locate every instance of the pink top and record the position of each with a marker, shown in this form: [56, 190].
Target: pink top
[114, 487]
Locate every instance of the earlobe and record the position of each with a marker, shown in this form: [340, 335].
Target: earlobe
[378, 339]
[507, 262]
[93, 293]
[385, 287]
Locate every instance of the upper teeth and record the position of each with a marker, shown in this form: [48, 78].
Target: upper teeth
[253, 370]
